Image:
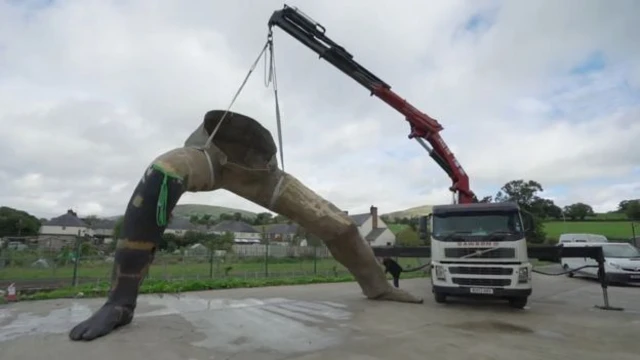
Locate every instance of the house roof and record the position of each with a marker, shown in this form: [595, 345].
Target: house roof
[374, 234]
[181, 223]
[69, 219]
[103, 224]
[281, 229]
[360, 219]
[234, 226]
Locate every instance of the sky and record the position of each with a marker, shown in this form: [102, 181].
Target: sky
[91, 91]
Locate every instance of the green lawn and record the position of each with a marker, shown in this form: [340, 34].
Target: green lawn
[611, 229]
[170, 267]
[396, 228]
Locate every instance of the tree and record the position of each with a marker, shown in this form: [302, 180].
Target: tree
[546, 208]
[578, 211]
[522, 192]
[169, 242]
[525, 194]
[237, 216]
[622, 206]
[117, 228]
[632, 210]
[408, 237]
[486, 199]
[263, 218]
[15, 222]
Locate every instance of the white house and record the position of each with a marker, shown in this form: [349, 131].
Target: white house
[67, 224]
[373, 229]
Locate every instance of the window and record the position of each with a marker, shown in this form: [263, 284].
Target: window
[478, 224]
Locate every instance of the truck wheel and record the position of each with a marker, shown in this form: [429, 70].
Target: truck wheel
[565, 267]
[518, 302]
[440, 297]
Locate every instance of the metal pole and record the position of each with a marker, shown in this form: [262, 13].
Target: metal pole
[211, 261]
[266, 258]
[315, 260]
[76, 259]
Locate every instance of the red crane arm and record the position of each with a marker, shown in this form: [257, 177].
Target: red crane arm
[311, 34]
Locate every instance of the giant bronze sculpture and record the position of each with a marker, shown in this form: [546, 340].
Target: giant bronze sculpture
[240, 158]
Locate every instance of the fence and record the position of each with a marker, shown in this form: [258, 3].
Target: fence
[51, 269]
[40, 269]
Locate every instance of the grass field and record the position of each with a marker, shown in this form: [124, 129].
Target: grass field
[169, 268]
[610, 229]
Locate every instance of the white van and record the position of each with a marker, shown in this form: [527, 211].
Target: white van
[622, 262]
[582, 238]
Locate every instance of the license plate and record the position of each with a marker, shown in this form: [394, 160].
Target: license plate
[634, 276]
[481, 291]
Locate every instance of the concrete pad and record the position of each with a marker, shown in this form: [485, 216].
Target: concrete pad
[334, 321]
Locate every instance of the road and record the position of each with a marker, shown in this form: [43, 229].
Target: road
[334, 321]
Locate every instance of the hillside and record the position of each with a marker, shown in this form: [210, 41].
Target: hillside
[411, 212]
[186, 210]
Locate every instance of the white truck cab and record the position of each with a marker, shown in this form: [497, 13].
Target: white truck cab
[622, 262]
[479, 249]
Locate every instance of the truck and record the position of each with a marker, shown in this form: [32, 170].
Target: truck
[477, 248]
[480, 249]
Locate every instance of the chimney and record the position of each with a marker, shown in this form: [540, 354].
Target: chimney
[71, 212]
[346, 212]
[374, 216]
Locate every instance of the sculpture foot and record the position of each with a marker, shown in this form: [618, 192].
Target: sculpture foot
[104, 321]
[394, 294]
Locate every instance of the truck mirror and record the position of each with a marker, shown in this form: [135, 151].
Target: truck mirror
[527, 220]
[423, 227]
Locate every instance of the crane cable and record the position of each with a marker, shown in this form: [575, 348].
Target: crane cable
[270, 78]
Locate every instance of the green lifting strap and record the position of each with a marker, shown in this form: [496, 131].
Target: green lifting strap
[161, 209]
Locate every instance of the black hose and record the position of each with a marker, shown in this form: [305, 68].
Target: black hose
[564, 272]
[416, 268]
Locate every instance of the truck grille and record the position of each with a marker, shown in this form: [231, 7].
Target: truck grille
[500, 253]
[481, 282]
[473, 270]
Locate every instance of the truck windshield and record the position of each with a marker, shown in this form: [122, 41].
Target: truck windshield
[478, 225]
[620, 251]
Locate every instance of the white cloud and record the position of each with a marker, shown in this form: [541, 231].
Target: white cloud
[92, 90]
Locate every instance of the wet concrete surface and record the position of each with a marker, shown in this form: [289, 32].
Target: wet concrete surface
[334, 321]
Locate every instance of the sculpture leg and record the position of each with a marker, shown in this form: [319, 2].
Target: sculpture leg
[144, 222]
[286, 195]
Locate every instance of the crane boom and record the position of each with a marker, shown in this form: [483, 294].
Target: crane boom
[422, 126]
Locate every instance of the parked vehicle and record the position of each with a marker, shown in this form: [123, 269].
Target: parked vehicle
[582, 238]
[622, 262]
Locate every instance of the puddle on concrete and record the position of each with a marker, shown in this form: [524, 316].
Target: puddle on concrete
[246, 325]
[492, 326]
[57, 321]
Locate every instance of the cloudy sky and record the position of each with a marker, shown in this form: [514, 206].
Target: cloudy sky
[92, 90]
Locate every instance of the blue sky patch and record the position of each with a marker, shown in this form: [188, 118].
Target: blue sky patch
[595, 62]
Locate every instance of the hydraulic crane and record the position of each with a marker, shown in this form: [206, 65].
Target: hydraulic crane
[422, 126]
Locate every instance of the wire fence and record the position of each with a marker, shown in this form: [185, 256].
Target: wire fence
[47, 270]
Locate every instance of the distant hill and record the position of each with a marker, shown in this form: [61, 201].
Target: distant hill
[411, 212]
[186, 210]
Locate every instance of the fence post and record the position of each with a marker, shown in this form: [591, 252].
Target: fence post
[266, 259]
[76, 260]
[211, 262]
[315, 260]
